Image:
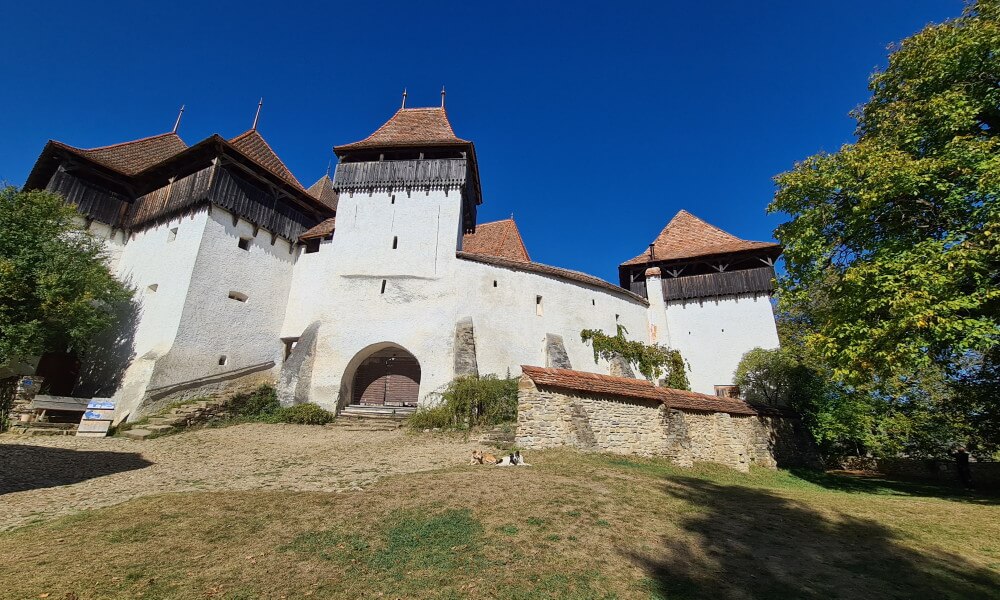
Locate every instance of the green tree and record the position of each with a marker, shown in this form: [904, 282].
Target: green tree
[891, 250]
[55, 288]
[654, 361]
[767, 376]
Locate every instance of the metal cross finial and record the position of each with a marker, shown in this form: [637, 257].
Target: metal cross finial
[177, 123]
[404, 98]
[442, 96]
[257, 116]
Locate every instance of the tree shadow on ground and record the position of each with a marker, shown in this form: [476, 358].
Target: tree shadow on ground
[24, 467]
[741, 542]
[863, 483]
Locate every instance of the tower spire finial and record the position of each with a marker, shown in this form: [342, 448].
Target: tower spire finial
[177, 123]
[442, 96]
[404, 98]
[329, 165]
[257, 116]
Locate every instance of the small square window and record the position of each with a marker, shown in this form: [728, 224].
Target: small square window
[312, 245]
[151, 288]
[223, 360]
[171, 234]
[494, 283]
[238, 296]
[244, 243]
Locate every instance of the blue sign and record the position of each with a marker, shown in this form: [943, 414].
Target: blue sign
[101, 404]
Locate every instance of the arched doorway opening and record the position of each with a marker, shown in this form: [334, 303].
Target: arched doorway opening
[388, 377]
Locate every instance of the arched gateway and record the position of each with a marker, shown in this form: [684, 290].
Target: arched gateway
[388, 377]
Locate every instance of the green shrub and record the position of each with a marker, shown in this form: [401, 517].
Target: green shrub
[470, 402]
[258, 404]
[304, 414]
[429, 418]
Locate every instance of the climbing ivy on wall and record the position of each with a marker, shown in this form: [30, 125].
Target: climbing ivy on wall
[653, 361]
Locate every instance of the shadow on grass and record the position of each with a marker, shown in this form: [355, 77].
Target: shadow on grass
[876, 484]
[24, 467]
[741, 542]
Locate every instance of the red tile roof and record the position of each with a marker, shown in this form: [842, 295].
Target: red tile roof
[499, 238]
[132, 157]
[322, 230]
[253, 146]
[323, 191]
[533, 267]
[411, 127]
[687, 236]
[593, 383]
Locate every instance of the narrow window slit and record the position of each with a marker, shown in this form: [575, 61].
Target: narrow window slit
[238, 296]
[383, 287]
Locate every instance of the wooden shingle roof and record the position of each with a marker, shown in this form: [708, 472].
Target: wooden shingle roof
[410, 127]
[253, 146]
[499, 238]
[593, 383]
[132, 157]
[687, 236]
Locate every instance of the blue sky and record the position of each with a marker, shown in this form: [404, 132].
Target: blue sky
[594, 122]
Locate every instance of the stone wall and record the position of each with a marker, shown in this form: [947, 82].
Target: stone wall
[985, 475]
[549, 418]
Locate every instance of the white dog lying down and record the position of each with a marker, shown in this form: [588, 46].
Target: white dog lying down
[512, 460]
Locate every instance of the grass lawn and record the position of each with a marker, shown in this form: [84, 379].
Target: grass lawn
[572, 526]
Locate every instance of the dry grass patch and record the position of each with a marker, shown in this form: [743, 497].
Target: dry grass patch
[573, 526]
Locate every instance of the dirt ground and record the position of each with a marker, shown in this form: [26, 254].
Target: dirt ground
[42, 477]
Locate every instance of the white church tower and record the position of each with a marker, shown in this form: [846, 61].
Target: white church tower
[378, 281]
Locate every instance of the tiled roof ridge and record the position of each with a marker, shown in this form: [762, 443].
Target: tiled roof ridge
[321, 230]
[126, 143]
[251, 132]
[520, 240]
[634, 388]
[688, 236]
[544, 269]
[383, 135]
[130, 157]
[323, 191]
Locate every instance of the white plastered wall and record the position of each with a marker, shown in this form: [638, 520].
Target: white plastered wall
[713, 334]
[427, 291]
[215, 328]
[153, 257]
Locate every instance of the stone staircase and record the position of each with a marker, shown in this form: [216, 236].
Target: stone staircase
[42, 428]
[372, 418]
[179, 417]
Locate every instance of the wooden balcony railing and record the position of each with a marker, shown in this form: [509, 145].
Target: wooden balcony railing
[393, 174]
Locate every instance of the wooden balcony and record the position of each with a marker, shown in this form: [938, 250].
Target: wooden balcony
[435, 173]
[713, 285]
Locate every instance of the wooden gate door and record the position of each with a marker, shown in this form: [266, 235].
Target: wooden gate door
[387, 381]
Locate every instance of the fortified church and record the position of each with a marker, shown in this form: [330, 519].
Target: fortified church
[375, 287]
